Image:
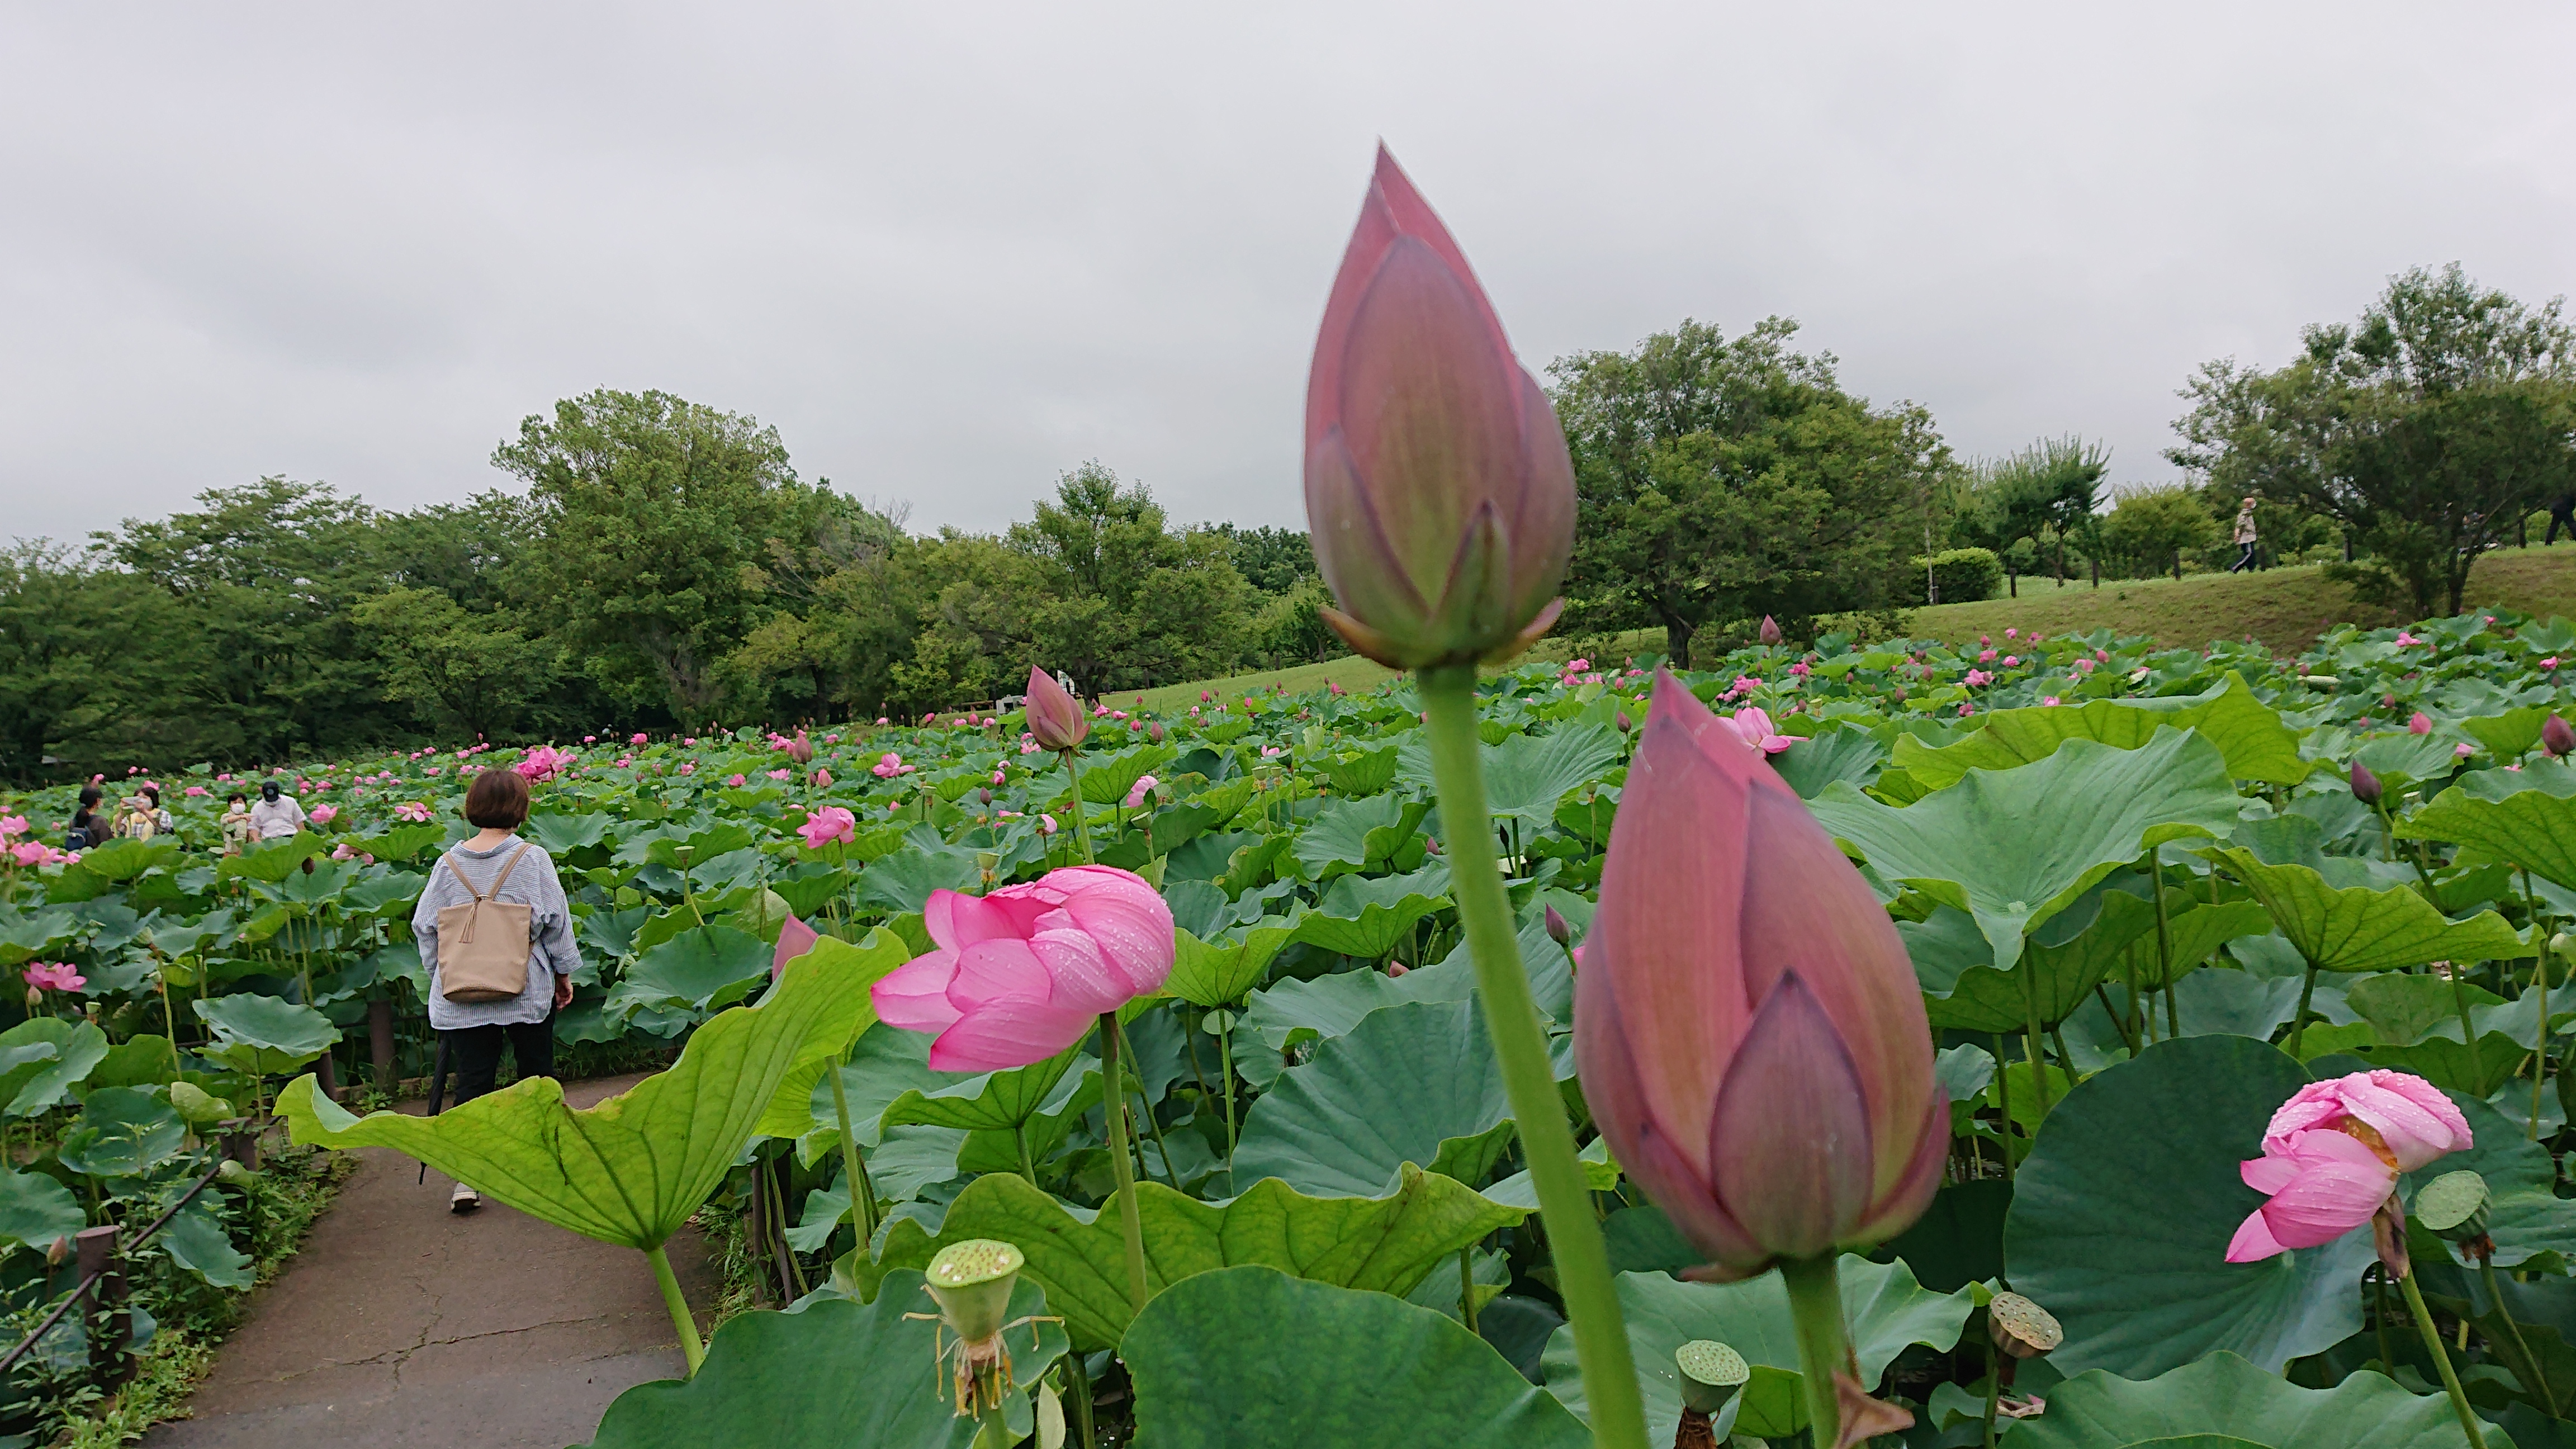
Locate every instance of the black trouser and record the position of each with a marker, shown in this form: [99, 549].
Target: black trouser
[475, 1053]
[2557, 518]
[2244, 558]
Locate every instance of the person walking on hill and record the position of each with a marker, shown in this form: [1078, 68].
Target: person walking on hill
[2562, 512]
[2246, 539]
[496, 939]
[277, 815]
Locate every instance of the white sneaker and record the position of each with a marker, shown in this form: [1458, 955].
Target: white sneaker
[463, 1200]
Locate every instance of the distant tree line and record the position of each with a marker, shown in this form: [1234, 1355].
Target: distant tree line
[666, 566]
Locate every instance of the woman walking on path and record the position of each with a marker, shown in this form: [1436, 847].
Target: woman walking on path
[2245, 538]
[480, 892]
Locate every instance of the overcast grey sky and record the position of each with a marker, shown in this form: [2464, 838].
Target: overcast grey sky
[952, 250]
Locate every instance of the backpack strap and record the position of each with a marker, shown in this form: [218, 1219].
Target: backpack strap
[475, 915]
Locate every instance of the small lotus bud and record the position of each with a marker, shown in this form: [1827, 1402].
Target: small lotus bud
[2419, 723]
[983, 797]
[35, 1000]
[2022, 1328]
[1562, 933]
[2454, 1207]
[1625, 724]
[2365, 785]
[2557, 738]
[232, 1171]
[58, 1252]
[1771, 630]
[801, 750]
[1711, 1374]
[1056, 719]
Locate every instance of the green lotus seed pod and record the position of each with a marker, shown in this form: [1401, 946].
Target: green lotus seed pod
[972, 1282]
[1711, 1373]
[232, 1171]
[2454, 1206]
[2022, 1328]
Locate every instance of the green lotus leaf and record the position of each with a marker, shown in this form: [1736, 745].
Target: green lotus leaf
[2014, 847]
[630, 1170]
[1250, 1358]
[803, 1091]
[902, 882]
[195, 1240]
[2525, 1215]
[1843, 753]
[1883, 1307]
[2358, 929]
[36, 1209]
[1359, 835]
[122, 1132]
[1417, 1083]
[273, 861]
[830, 1372]
[560, 835]
[261, 1035]
[1106, 779]
[2053, 977]
[1387, 1244]
[2122, 1214]
[1367, 918]
[992, 1101]
[1217, 972]
[2249, 735]
[706, 968]
[23, 938]
[43, 1058]
[1364, 772]
[2533, 829]
[2223, 1402]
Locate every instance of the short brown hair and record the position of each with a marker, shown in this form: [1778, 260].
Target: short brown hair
[497, 800]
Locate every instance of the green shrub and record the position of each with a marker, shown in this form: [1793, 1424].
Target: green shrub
[1964, 575]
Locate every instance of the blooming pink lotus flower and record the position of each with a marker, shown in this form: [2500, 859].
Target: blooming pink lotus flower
[827, 825]
[782, 774]
[55, 976]
[1748, 1026]
[888, 766]
[1020, 974]
[1046, 825]
[1986, 656]
[734, 780]
[1055, 718]
[415, 811]
[2048, 701]
[1438, 487]
[12, 826]
[1800, 669]
[2332, 1153]
[1137, 792]
[325, 814]
[1978, 679]
[1755, 726]
[2421, 724]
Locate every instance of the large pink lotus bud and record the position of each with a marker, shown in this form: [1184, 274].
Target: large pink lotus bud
[1055, 717]
[2557, 738]
[1438, 488]
[1021, 973]
[1748, 1026]
[801, 749]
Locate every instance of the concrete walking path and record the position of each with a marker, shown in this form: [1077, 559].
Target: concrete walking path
[401, 1324]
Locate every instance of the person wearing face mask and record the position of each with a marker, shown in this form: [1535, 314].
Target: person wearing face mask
[277, 815]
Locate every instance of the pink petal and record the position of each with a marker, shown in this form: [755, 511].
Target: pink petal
[1007, 1034]
[914, 995]
[996, 971]
[1793, 1166]
[795, 938]
[2267, 1174]
[1081, 978]
[2254, 1241]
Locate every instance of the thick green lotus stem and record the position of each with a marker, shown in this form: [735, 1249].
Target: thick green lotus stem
[2539, 1376]
[1467, 1287]
[2442, 1361]
[691, 1348]
[1520, 1045]
[1113, 1108]
[2030, 1037]
[1078, 1389]
[2164, 941]
[1225, 1075]
[1824, 1349]
[2468, 1033]
[1081, 829]
[854, 1165]
[2299, 1023]
[2540, 979]
[2003, 1097]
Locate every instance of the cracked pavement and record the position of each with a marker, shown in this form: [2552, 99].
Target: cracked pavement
[402, 1324]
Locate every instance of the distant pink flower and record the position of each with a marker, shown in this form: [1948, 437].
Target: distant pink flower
[194, 791]
[1024, 972]
[1979, 679]
[325, 814]
[2048, 700]
[1800, 669]
[55, 976]
[1744, 684]
[888, 766]
[2012, 633]
[1137, 792]
[1046, 825]
[2463, 750]
[688, 767]
[344, 851]
[1986, 657]
[2404, 639]
[12, 825]
[2421, 724]
[2549, 663]
[32, 853]
[414, 811]
[590, 739]
[1753, 726]
[543, 763]
[829, 824]
[823, 778]
[2012, 661]
[997, 776]
[734, 780]
[639, 738]
[1966, 710]
[782, 774]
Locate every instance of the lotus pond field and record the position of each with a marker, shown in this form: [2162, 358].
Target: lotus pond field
[2148, 897]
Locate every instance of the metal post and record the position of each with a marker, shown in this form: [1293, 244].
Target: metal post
[98, 1256]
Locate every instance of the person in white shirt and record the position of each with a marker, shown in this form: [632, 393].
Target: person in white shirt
[277, 815]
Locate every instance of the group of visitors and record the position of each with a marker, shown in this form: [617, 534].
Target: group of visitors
[141, 816]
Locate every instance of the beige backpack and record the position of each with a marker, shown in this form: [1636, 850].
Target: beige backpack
[480, 960]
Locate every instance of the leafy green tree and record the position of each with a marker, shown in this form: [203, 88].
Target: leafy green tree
[1122, 600]
[478, 671]
[1721, 480]
[654, 516]
[81, 646]
[2152, 528]
[1272, 559]
[2427, 430]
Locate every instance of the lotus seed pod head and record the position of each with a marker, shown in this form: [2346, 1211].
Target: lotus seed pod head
[2365, 785]
[1771, 630]
[2556, 737]
[2454, 1206]
[1711, 1373]
[2022, 1328]
[1557, 929]
[972, 1281]
[1055, 717]
[1439, 491]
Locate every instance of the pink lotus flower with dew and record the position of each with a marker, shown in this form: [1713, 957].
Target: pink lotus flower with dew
[1754, 725]
[1022, 973]
[2332, 1153]
[1749, 1029]
[55, 976]
[325, 814]
[829, 824]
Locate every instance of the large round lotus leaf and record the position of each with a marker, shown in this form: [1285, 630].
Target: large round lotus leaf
[833, 1372]
[1250, 1358]
[2525, 1215]
[2224, 1401]
[1417, 1083]
[35, 1210]
[122, 1132]
[2122, 1214]
[1883, 1307]
[262, 1034]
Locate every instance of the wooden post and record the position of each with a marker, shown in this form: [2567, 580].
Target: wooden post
[380, 1041]
[242, 1146]
[329, 1075]
[98, 1255]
